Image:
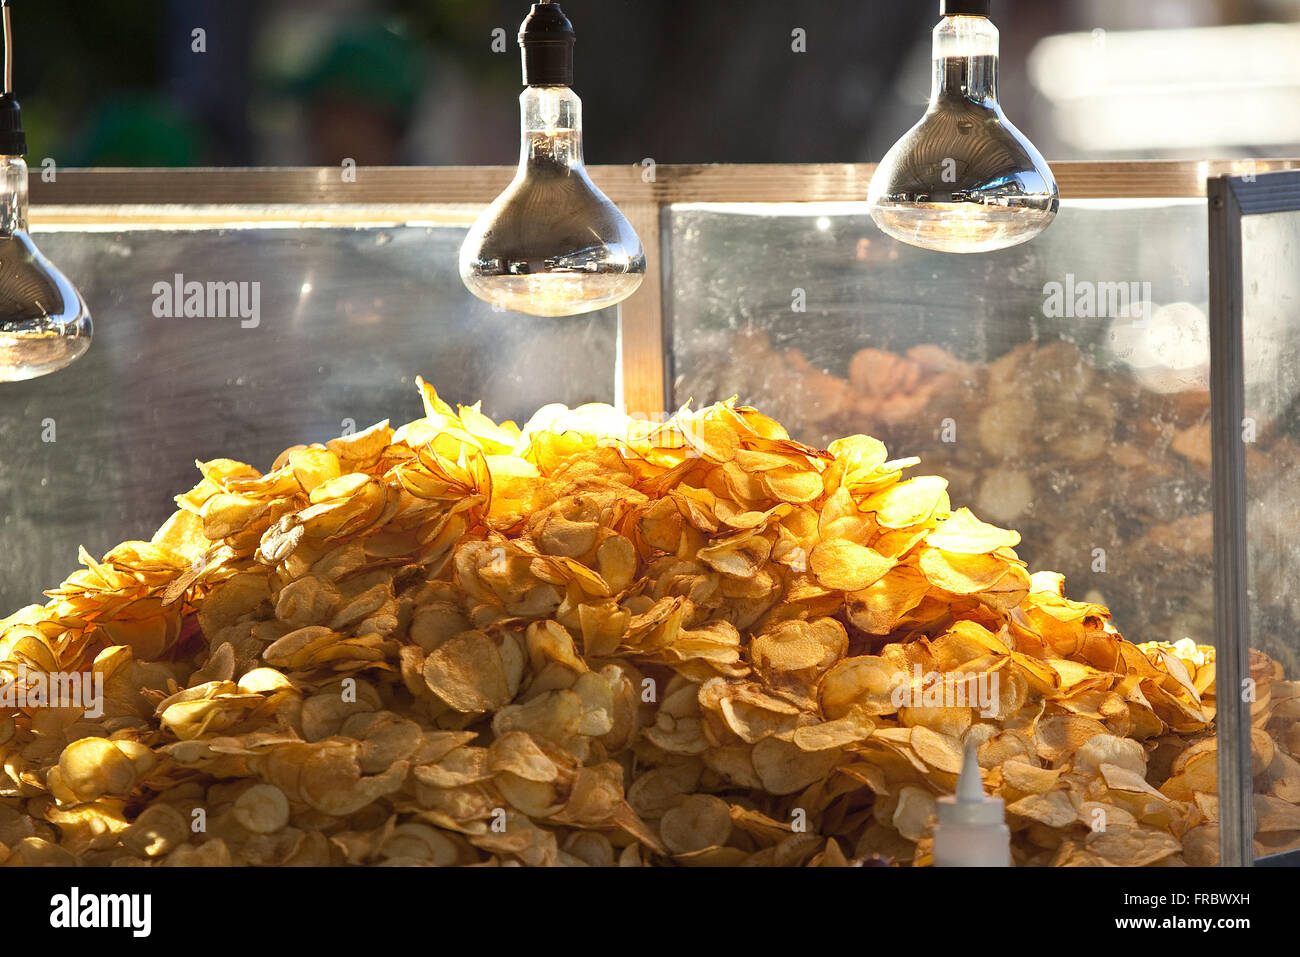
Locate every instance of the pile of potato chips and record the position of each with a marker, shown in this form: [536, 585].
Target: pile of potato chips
[600, 641]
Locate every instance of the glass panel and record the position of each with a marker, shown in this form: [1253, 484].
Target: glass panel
[1271, 364]
[1060, 386]
[347, 318]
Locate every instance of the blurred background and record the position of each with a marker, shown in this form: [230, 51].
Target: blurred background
[433, 82]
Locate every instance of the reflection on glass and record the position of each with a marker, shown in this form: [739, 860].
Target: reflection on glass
[385, 305]
[1270, 320]
[1083, 433]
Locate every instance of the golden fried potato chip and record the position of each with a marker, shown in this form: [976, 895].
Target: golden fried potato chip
[909, 503]
[878, 609]
[1052, 808]
[808, 647]
[785, 769]
[866, 682]
[700, 821]
[519, 754]
[961, 574]
[262, 809]
[914, 813]
[850, 729]
[962, 533]
[847, 566]
[468, 673]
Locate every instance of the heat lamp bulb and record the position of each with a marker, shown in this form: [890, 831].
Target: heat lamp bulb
[552, 244]
[44, 322]
[964, 179]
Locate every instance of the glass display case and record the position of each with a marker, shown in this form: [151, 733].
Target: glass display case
[1254, 232]
[343, 308]
[1063, 388]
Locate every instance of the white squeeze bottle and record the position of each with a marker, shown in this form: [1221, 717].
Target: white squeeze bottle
[972, 829]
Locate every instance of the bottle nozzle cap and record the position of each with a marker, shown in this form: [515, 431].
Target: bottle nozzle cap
[970, 786]
[970, 806]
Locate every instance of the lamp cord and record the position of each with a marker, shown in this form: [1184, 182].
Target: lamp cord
[9, 47]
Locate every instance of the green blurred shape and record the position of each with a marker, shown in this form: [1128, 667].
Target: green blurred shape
[371, 63]
[137, 130]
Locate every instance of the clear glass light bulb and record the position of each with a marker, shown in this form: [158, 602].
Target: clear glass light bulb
[44, 322]
[552, 244]
[964, 179]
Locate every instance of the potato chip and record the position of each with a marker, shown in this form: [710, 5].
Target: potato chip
[909, 503]
[961, 574]
[262, 809]
[518, 754]
[91, 767]
[847, 566]
[1052, 808]
[963, 533]
[914, 814]
[751, 716]
[807, 647]
[1026, 778]
[850, 729]
[1132, 846]
[700, 821]
[784, 768]
[878, 609]
[940, 751]
[468, 673]
[866, 682]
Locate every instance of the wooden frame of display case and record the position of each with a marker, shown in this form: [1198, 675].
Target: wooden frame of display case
[123, 198]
